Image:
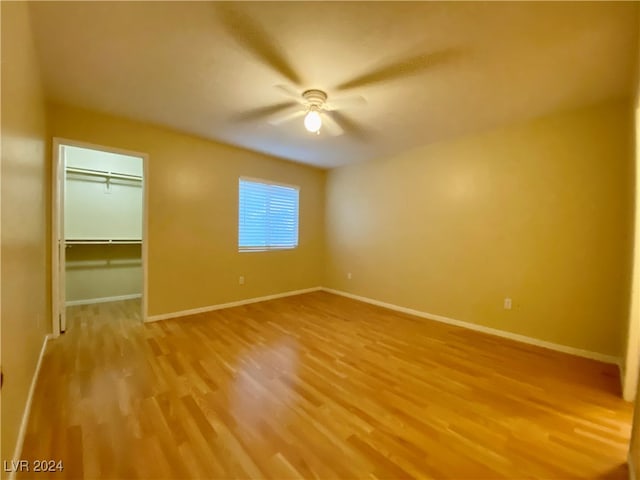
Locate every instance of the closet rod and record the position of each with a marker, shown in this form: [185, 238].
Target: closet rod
[102, 173]
[103, 242]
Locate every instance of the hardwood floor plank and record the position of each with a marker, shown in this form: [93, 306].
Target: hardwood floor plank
[317, 386]
[74, 453]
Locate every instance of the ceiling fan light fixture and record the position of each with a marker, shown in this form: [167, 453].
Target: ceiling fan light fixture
[312, 121]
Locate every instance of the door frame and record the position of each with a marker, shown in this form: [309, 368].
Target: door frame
[57, 224]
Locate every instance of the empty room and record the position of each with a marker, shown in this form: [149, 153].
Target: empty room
[323, 240]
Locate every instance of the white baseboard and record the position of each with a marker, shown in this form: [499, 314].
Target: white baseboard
[27, 408]
[91, 301]
[480, 328]
[209, 308]
[439, 318]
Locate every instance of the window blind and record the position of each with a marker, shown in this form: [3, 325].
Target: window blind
[267, 216]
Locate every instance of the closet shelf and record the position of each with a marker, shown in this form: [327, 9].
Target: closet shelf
[103, 173]
[102, 241]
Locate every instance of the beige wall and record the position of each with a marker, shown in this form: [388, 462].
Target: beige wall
[193, 188]
[539, 212]
[25, 259]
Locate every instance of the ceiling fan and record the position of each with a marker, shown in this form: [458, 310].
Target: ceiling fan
[315, 105]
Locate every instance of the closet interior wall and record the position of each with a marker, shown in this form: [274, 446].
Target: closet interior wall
[102, 225]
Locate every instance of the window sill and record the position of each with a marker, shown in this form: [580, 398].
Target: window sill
[264, 249]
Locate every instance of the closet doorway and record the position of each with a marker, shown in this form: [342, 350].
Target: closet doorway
[99, 226]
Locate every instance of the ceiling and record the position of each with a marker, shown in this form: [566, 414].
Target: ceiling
[428, 71]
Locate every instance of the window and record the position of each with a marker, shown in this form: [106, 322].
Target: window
[267, 216]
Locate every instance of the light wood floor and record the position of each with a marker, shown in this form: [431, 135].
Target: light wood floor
[317, 386]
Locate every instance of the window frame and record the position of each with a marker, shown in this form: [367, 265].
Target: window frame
[267, 248]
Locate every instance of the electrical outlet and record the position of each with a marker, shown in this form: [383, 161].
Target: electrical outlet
[241, 280]
[507, 304]
[349, 276]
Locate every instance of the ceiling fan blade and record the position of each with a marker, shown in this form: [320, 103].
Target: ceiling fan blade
[351, 127]
[402, 68]
[331, 126]
[290, 92]
[256, 40]
[262, 112]
[287, 115]
[345, 103]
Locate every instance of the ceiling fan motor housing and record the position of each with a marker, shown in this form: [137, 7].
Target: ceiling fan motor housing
[315, 98]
